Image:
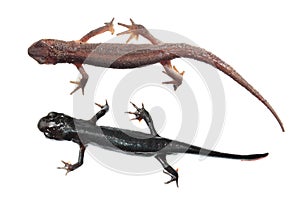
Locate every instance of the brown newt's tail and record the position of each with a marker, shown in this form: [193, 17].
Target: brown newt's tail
[197, 53]
[201, 54]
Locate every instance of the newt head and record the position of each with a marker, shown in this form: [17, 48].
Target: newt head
[44, 51]
[57, 126]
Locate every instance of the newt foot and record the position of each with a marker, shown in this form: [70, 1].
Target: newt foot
[68, 167]
[134, 30]
[81, 84]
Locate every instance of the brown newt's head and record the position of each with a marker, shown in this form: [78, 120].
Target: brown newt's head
[46, 51]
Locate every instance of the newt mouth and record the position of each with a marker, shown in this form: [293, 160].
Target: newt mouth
[47, 134]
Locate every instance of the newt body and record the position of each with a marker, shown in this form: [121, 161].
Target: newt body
[107, 55]
[124, 56]
[59, 126]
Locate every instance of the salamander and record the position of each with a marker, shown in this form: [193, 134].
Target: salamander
[127, 56]
[59, 126]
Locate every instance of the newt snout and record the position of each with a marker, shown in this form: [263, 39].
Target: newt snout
[42, 125]
[35, 51]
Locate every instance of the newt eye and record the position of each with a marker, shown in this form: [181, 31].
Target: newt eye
[52, 114]
[41, 60]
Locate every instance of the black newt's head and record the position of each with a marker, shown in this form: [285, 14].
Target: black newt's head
[57, 126]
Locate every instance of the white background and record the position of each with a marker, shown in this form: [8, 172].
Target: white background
[259, 38]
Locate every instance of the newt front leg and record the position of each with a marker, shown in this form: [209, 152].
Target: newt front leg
[70, 167]
[81, 84]
[84, 78]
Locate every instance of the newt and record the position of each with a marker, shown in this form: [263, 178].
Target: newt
[59, 126]
[128, 56]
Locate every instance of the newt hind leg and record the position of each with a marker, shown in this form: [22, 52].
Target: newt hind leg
[137, 29]
[168, 169]
[142, 113]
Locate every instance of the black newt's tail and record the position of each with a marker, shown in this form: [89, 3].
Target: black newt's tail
[206, 152]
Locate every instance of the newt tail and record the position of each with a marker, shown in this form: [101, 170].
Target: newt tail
[201, 54]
